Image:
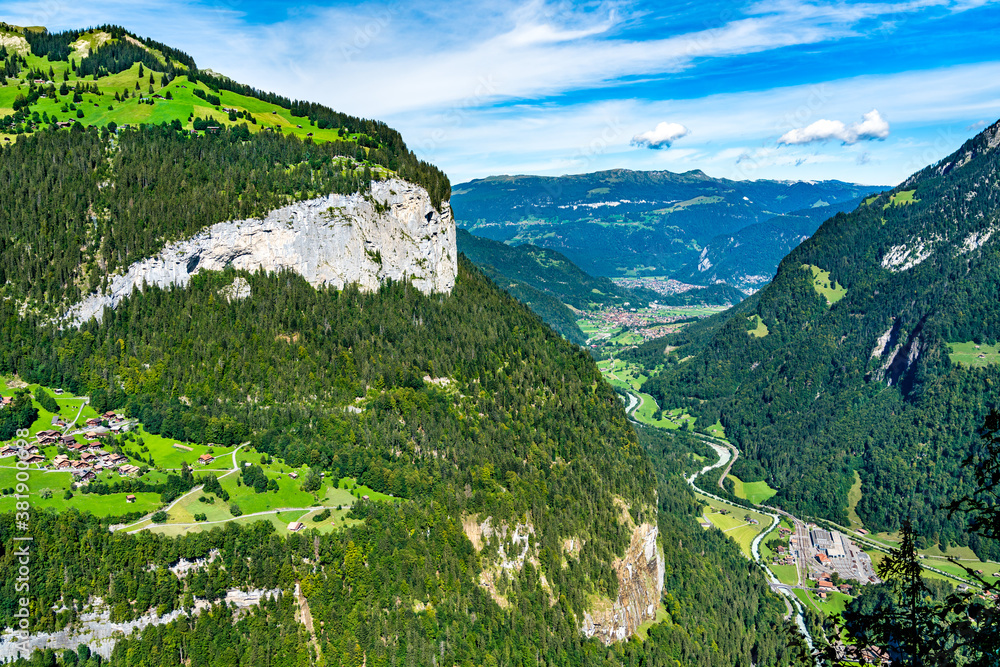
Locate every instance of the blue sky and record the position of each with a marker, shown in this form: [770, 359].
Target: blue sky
[859, 91]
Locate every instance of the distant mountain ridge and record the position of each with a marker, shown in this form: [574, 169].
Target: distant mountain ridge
[550, 284]
[749, 258]
[621, 222]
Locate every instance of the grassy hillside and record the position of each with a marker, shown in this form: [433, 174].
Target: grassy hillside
[108, 76]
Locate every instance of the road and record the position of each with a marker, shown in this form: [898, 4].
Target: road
[86, 400]
[193, 491]
[726, 456]
[277, 511]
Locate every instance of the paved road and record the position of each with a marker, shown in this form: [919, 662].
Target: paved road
[792, 604]
[277, 511]
[86, 400]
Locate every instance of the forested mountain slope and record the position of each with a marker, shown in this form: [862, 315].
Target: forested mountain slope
[748, 258]
[550, 284]
[623, 222]
[517, 484]
[857, 370]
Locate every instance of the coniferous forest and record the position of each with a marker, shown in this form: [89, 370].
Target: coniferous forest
[508, 482]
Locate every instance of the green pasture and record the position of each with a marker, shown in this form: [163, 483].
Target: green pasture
[901, 198]
[58, 482]
[760, 329]
[829, 289]
[786, 574]
[733, 524]
[755, 492]
[976, 356]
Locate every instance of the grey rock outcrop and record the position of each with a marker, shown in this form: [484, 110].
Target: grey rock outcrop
[640, 584]
[392, 232]
[96, 629]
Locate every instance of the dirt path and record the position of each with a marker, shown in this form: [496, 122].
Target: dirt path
[86, 401]
[196, 489]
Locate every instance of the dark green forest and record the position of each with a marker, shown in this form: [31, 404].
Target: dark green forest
[80, 205]
[527, 428]
[867, 383]
[361, 586]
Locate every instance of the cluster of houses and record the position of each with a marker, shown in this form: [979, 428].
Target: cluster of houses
[784, 556]
[92, 458]
[825, 586]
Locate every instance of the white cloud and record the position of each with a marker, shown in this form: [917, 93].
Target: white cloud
[871, 127]
[661, 136]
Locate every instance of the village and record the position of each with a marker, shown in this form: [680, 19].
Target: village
[85, 460]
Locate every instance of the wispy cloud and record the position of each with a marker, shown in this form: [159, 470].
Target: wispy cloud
[557, 86]
[871, 127]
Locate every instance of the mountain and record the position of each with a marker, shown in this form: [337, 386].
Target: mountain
[877, 354]
[621, 222]
[551, 285]
[329, 439]
[748, 258]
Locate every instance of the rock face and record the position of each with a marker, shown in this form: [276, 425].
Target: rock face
[96, 629]
[640, 584]
[392, 232]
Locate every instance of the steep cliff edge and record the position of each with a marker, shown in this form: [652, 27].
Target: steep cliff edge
[640, 574]
[390, 233]
[640, 584]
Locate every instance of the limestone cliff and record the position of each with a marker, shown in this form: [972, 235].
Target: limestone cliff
[392, 232]
[640, 573]
[640, 584]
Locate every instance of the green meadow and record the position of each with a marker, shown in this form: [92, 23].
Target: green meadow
[974, 355]
[734, 523]
[829, 289]
[755, 492]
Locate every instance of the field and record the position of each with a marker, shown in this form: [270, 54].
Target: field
[901, 198]
[830, 289]
[976, 356]
[786, 574]
[734, 523]
[835, 602]
[630, 377]
[760, 329]
[642, 632]
[622, 374]
[59, 482]
[716, 430]
[288, 503]
[755, 492]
